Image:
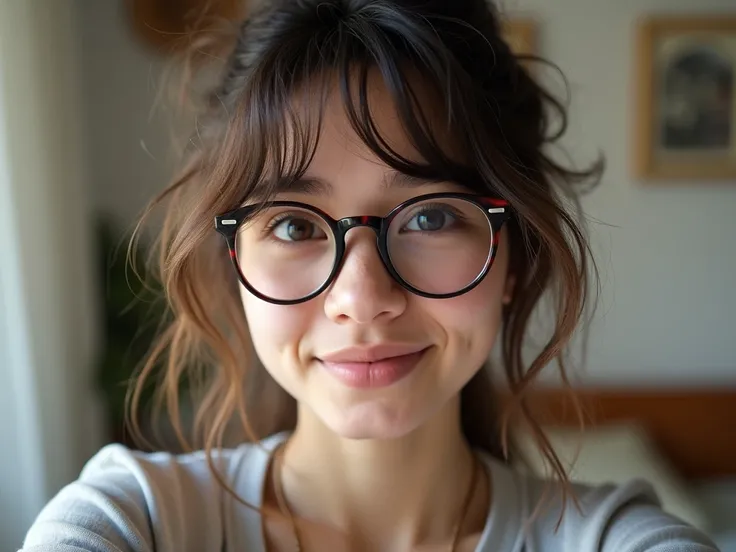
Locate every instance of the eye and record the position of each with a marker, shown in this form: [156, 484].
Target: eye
[430, 219]
[295, 229]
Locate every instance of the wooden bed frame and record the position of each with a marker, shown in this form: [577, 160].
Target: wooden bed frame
[694, 429]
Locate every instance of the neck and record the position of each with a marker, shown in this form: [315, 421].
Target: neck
[403, 492]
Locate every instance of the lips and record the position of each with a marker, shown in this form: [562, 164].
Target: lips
[373, 366]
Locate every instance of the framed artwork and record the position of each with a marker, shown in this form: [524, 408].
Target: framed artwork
[685, 116]
[521, 34]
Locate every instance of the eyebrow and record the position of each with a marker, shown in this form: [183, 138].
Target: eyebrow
[317, 186]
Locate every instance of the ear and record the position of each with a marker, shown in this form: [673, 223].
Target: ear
[508, 289]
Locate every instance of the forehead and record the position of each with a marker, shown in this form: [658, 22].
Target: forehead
[376, 113]
[334, 133]
[339, 148]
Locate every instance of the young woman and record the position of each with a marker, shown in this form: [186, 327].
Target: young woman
[385, 212]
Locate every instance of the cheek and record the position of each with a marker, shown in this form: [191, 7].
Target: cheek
[275, 330]
[472, 321]
[477, 314]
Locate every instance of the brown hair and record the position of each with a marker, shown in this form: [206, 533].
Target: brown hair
[500, 118]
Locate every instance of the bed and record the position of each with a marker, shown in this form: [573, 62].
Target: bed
[682, 441]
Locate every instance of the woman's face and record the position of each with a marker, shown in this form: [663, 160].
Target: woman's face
[318, 350]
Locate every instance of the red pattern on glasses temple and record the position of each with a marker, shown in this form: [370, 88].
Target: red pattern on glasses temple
[494, 202]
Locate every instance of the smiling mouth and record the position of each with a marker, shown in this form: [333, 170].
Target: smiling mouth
[373, 367]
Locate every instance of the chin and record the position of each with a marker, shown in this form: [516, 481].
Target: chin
[372, 420]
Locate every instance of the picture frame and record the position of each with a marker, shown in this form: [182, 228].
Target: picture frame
[521, 34]
[685, 91]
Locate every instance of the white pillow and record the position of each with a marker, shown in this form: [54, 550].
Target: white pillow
[616, 454]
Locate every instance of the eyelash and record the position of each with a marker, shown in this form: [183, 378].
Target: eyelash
[274, 222]
[457, 215]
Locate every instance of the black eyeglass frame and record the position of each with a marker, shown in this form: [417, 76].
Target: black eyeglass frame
[495, 209]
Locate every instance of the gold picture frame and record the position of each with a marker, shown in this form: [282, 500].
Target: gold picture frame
[685, 114]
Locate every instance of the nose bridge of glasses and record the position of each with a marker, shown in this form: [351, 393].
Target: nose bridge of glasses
[367, 255]
[349, 223]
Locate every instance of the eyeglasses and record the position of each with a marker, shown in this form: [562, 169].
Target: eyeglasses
[436, 245]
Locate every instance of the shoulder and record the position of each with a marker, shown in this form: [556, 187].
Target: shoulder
[629, 518]
[132, 501]
[604, 518]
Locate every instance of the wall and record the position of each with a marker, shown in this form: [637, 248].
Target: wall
[130, 132]
[48, 413]
[667, 253]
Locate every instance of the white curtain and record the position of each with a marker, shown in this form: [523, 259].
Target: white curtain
[49, 415]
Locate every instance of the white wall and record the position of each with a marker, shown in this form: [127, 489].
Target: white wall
[130, 134]
[667, 252]
[49, 421]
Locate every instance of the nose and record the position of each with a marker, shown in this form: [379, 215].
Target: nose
[363, 291]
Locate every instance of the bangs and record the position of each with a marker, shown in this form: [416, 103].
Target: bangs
[282, 108]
